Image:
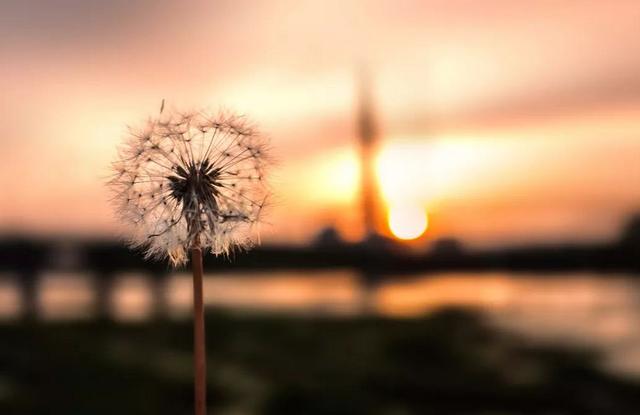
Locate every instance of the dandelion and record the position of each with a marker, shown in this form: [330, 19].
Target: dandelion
[187, 183]
[191, 180]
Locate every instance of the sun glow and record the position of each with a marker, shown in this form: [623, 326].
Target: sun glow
[408, 221]
[414, 169]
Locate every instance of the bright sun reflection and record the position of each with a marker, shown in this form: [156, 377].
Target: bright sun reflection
[408, 221]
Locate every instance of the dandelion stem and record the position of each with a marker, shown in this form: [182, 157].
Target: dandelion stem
[199, 350]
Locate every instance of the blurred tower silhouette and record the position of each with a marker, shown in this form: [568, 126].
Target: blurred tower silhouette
[368, 137]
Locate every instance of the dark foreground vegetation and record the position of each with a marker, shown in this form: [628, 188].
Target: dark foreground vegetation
[448, 363]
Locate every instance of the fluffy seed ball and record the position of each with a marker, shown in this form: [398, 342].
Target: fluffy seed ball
[190, 180]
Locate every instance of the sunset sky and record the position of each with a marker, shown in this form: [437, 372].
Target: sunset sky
[507, 124]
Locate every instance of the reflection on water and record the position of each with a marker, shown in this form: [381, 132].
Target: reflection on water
[334, 292]
[131, 297]
[585, 309]
[10, 301]
[64, 295]
[600, 311]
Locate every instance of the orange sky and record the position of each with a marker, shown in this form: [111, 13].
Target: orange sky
[506, 123]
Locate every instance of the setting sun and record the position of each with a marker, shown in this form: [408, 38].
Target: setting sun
[408, 221]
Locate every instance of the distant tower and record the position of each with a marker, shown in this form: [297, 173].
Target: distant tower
[368, 137]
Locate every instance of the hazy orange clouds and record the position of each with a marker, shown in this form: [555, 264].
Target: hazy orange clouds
[506, 123]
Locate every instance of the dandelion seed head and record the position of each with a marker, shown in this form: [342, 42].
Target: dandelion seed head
[191, 179]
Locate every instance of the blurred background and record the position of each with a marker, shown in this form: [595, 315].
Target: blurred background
[455, 226]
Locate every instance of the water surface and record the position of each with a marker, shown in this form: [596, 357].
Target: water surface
[580, 309]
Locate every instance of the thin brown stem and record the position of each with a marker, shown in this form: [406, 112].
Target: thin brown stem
[199, 350]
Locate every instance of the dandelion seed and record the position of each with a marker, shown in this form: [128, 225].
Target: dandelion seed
[188, 180]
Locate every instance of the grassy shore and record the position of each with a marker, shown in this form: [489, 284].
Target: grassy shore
[448, 363]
